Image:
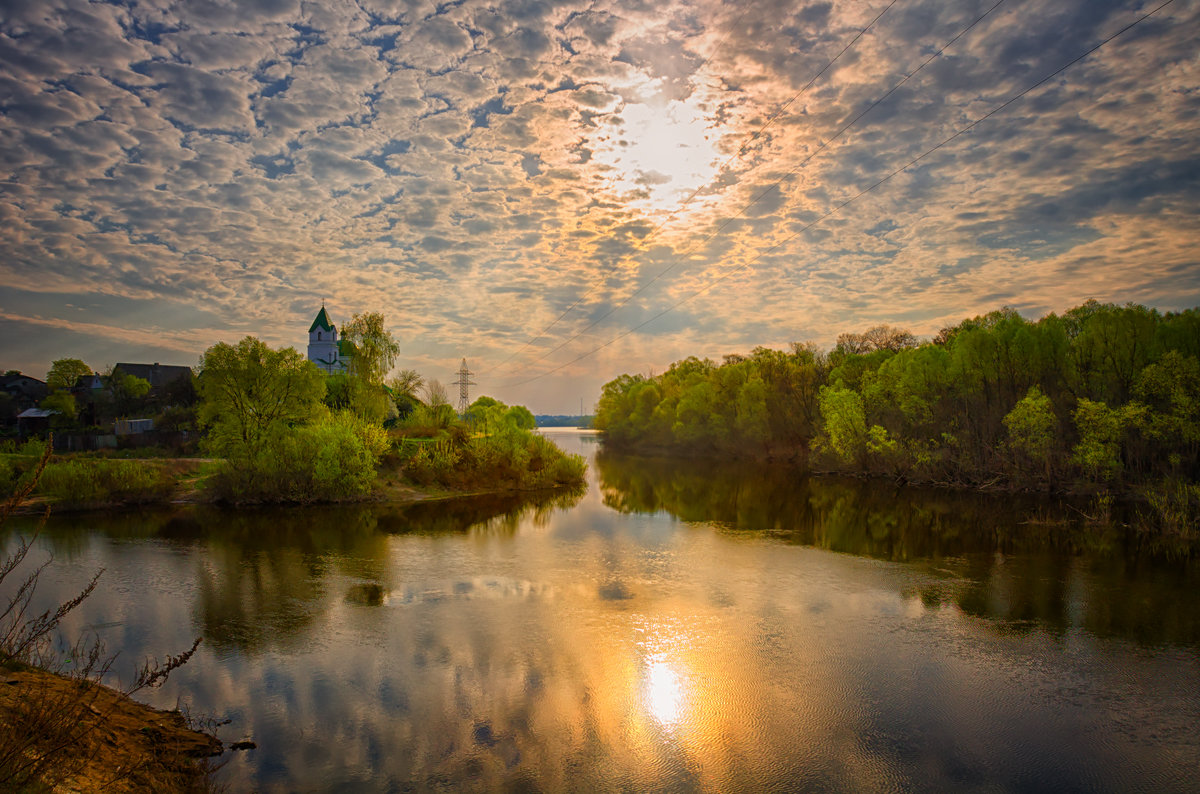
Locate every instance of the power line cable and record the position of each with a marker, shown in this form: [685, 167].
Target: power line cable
[853, 198]
[679, 259]
[753, 137]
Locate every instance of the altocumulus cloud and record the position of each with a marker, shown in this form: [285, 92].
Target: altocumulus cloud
[178, 173]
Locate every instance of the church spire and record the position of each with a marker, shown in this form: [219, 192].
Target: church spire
[322, 321]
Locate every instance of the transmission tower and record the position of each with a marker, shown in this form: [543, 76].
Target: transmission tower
[464, 380]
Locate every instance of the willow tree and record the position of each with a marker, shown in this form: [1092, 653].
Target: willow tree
[375, 350]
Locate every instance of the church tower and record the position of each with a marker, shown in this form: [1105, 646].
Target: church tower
[323, 347]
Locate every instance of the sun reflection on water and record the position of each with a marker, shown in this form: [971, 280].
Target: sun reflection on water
[662, 690]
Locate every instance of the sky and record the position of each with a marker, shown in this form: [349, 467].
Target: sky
[562, 192]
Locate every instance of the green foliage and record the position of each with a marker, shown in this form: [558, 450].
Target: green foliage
[750, 405]
[247, 389]
[64, 372]
[751, 412]
[330, 459]
[64, 404]
[1032, 430]
[94, 481]
[492, 448]
[407, 383]
[349, 392]
[375, 350]
[1098, 451]
[1171, 388]
[988, 401]
[127, 391]
[1175, 507]
[845, 423]
[488, 415]
[510, 459]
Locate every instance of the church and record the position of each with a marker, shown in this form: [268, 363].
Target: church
[324, 348]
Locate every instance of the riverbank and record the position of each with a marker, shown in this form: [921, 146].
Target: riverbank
[102, 739]
[82, 483]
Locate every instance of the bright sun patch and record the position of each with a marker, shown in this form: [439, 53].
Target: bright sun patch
[659, 152]
[663, 693]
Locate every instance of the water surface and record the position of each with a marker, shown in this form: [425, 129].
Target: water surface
[676, 628]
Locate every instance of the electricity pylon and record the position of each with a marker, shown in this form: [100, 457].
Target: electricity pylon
[464, 380]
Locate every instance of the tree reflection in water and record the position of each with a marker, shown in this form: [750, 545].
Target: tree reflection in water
[262, 579]
[1139, 587]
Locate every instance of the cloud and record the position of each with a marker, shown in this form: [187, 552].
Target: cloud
[396, 156]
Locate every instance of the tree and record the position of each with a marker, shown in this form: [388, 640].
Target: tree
[407, 382]
[64, 372]
[845, 422]
[127, 390]
[245, 389]
[1032, 428]
[375, 350]
[880, 337]
[1101, 429]
[435, 394]
[751, 413]
[64, 405]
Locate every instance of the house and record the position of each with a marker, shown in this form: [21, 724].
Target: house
[25, 391]
[325, 349]
[34, 421]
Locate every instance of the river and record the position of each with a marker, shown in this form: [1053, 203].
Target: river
[676, 627]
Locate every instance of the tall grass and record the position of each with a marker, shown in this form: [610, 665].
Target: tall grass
[84, 482]
[1174, 508]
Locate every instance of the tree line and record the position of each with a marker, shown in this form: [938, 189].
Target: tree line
[1101, 395]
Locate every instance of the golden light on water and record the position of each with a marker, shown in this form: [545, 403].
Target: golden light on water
[663, 693]
[660, 152]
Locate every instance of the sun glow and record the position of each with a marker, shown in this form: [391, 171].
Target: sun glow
[663, 691]
[659, 153]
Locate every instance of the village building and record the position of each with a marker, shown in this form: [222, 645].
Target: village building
[25, 391]
[325, 349]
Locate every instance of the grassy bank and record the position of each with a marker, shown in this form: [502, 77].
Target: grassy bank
[339, 459]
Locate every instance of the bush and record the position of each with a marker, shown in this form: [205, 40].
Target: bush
[329, 460]
[510, 458]
[79, 482]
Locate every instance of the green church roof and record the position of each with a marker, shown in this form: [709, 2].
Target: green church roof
[322, 321]
[346, 348]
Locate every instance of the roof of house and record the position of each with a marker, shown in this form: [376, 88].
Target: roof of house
[17, 377]
[158, 375]
[322, 321]
[17, 383]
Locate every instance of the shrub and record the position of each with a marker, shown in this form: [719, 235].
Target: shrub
[509, 458]
[329, 460]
